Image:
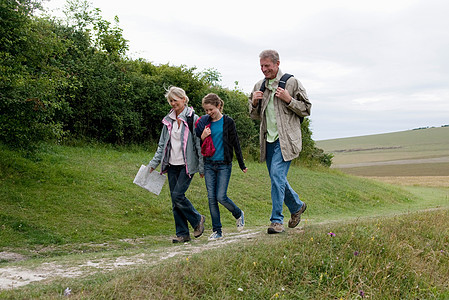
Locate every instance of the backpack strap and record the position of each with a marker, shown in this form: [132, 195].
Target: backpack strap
[282, 83]
[262, 87]
[190, 122]
[283, 80]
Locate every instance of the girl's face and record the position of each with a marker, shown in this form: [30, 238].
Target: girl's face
[178, 104]
[212, 111]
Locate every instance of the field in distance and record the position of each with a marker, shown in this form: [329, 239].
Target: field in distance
[411, 153]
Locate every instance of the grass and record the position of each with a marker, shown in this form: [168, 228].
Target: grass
[411, 144]
[80, 201]
[418, 169]
[401, 257]
[73, 195]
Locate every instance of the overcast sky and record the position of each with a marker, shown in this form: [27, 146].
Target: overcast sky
[368, 66]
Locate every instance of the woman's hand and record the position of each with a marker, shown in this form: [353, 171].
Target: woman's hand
[245, 170]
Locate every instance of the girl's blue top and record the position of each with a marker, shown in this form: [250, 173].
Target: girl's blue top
[216, 129]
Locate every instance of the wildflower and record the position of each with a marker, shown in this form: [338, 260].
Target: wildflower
[356, 253]
[311, 239]
[372, 238]
[331, 234]
[254, 263]
[187, 259]
[362, 293]
[240, 289]
[67, 292]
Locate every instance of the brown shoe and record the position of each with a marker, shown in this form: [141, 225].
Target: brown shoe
[200, 228]
[296, 217]
[181, 239]
[275, 228]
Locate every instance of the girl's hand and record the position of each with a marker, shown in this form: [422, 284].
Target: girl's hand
[245, 170]
[151, 170]
[205, 134]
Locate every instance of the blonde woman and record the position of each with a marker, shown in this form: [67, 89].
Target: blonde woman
[179, 153]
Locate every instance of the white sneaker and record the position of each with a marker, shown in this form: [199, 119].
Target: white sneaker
[240, 222]
[215, 236]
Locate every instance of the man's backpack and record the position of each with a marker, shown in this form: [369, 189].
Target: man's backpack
[282, 83]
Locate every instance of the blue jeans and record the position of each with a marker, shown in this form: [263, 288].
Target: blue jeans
[183, 210]
[281, 191]
[217, 175]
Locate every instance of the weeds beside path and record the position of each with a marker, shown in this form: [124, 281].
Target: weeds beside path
[21, 274]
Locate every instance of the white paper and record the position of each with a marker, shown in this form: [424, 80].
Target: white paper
[152, 182]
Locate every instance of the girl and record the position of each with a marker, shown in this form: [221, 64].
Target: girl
[217, 168]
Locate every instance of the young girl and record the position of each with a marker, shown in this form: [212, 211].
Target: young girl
[217, 168]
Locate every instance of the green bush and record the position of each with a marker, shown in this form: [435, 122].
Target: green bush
[72, 79]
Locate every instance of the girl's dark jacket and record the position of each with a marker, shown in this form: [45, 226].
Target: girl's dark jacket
[230, 138]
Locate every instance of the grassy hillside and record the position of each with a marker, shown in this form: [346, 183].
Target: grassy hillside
[85, 194]
[358, 237]
[423, 152]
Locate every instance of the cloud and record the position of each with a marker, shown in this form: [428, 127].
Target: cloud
[368, 66]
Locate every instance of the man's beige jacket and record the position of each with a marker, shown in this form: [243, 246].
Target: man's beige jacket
[287, 116]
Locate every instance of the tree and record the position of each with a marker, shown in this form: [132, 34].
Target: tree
[28, 78]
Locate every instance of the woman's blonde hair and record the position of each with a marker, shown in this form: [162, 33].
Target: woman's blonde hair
[213, 99]
[174, 91]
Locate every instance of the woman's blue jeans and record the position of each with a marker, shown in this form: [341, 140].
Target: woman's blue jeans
[281, 191]
[183, 210]
[217, 175]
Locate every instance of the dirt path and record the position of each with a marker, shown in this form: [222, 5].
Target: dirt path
[17, 276]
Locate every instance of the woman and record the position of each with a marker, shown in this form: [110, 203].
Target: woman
[217, 168]
[179, 151]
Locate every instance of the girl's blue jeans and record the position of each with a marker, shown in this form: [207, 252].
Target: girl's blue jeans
[217, 175]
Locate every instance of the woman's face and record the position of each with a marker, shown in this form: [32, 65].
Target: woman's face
[178, 104]
[212, 111]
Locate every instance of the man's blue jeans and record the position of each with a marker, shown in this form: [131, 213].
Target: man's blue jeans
[281, 191]
[217, 175]
[183, 210]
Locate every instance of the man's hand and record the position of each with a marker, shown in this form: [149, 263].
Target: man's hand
[256, 97]
[284, 95]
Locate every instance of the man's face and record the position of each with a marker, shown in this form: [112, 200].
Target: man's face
[269, 68]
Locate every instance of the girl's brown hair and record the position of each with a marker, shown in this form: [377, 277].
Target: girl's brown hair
[213, 99]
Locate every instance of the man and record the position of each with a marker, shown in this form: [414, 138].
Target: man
[280, 135]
